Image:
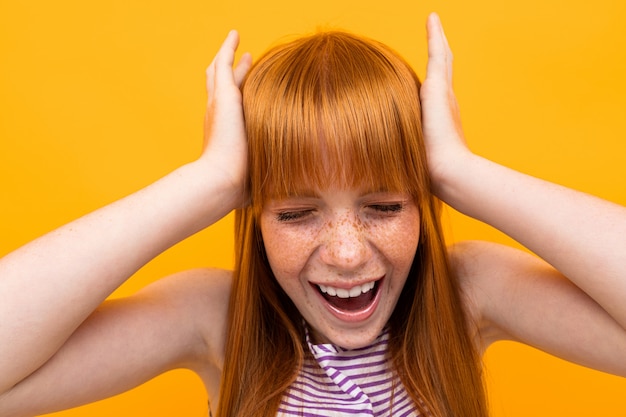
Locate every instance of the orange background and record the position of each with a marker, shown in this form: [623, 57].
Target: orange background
[98, 99]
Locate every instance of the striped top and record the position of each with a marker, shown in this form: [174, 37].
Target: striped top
[339, 382]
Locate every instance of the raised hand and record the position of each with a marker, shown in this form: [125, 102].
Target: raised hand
[443, 134]
[49, 287]
[579, 235]
[225, 146]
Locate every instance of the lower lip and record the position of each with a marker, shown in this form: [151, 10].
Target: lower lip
[359, 315]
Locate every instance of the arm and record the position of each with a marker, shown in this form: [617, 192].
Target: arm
[50, 286]
[176, 322]
[579, 235]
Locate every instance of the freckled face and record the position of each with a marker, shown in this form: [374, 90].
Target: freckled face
[342, 256]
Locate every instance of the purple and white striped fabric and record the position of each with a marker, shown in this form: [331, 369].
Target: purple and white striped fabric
[341, 382]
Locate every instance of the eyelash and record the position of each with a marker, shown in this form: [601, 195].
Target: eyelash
[290, 216]
[383, 209]
[388, 208]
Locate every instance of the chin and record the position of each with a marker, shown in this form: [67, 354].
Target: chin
[349, 337]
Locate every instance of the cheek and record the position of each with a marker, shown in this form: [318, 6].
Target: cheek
[287, 250]
[399, 241]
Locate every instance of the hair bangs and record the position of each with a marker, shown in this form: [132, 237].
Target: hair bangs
[332, 110]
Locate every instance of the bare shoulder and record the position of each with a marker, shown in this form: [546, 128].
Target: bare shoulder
[488, 274]
[176, 322]
[197, 297]
[511, 294]
[474, 263]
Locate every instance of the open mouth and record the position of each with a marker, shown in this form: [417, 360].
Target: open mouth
[354, 299]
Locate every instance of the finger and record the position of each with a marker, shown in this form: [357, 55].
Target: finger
[242, 68]
[223, 59]
[439, 53]
[226, 57]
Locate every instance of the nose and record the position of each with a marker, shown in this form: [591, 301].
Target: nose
[346, 246]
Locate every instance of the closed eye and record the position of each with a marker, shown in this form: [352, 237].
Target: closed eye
[289, 216]
[387, 208]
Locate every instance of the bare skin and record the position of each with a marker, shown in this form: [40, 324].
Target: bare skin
[68, 346]
[342, 238]
[517, 296]
[59, 336]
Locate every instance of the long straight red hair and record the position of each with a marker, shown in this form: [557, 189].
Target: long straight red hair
[354, 104]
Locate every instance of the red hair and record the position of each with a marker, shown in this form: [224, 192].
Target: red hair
[329, 106]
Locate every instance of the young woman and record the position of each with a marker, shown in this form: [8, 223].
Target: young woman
[344, 298]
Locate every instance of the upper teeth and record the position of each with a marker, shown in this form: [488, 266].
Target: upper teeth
[345, 293]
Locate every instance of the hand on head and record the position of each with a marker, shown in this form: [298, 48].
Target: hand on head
[225, 145]
[443, 133]
[225, 138]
